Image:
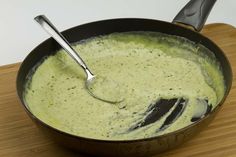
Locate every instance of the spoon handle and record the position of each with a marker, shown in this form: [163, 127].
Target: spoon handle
[51, 30]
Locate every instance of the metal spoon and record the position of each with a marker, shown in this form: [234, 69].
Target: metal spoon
[91, 79]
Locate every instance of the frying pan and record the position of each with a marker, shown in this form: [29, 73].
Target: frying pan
[187, 23]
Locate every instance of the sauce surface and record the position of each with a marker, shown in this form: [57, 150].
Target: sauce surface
[148, 66]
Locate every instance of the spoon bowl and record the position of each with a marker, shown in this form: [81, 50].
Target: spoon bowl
[105, 89]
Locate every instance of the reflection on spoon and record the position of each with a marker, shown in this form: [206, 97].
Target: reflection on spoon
[105, 90]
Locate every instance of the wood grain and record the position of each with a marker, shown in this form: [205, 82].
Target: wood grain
[20, 137]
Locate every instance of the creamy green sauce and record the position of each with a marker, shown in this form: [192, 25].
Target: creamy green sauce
[146, 65]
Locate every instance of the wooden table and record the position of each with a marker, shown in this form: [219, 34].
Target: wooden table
[19, 137]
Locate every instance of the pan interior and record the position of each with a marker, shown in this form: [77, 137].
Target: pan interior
[149, 65]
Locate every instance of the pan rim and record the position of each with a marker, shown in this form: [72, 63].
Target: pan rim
[129, 140]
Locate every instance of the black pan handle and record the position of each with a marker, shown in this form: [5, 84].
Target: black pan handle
[195, 13]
